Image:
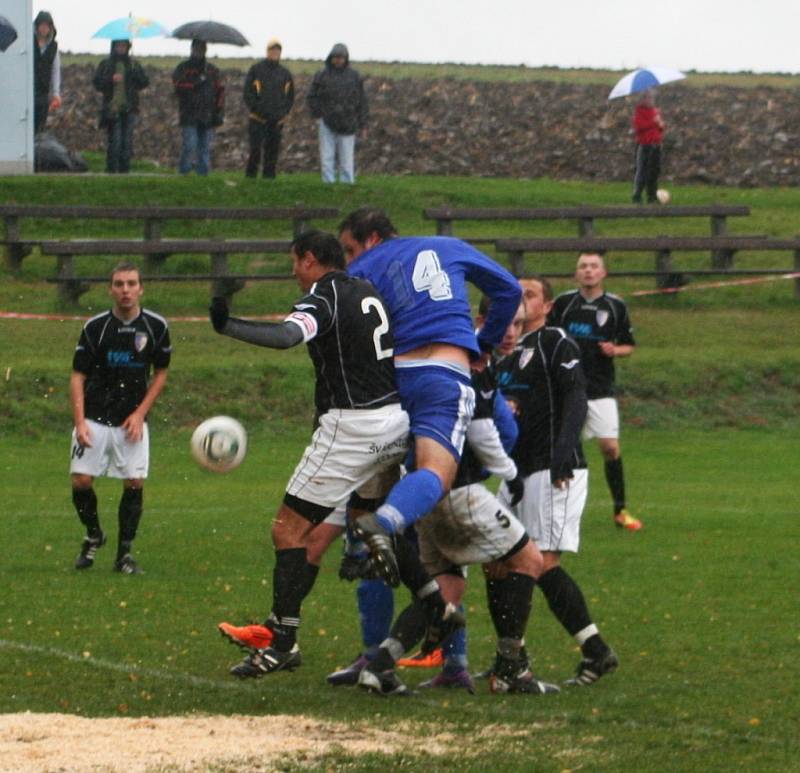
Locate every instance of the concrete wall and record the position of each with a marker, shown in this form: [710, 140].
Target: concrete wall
[16, 91]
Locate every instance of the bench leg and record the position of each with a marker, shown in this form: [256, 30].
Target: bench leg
[667, 277]
[15, 253]
[70, 288]
[154, 262]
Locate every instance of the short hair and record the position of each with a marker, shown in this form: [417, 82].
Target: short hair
[323, 246]
[547, 288]
[483, 306]
[125, 265]
[600, 253]
[368, 220]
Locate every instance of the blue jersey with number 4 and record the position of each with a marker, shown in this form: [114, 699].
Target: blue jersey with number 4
[423, 281]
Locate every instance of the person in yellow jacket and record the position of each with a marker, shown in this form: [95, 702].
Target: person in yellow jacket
[269, 96]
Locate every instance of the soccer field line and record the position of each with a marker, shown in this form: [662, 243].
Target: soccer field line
[109, 665]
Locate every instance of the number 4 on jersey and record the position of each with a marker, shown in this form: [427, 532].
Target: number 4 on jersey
[428, 276]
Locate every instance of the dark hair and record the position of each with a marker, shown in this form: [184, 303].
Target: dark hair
[547, 288]
[368, 220]
[126, 265]
[601, 253]
[483, 306]
[323, 246]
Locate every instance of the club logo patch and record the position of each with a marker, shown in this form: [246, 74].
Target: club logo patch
[526, 357]
[140, 341]
[602, 317]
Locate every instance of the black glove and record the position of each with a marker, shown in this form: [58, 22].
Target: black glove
[218, 312]
[516, 488]
[561, 471]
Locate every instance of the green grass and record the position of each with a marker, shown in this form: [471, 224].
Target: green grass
[696, 605]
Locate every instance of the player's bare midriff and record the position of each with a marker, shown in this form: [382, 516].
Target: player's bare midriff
[446, 352]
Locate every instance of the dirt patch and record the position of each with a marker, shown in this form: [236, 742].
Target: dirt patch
[59, 742]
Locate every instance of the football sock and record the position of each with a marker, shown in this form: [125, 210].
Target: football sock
[292, 580]
[130, 513]
[375, 609]
[409, 628]
[510, 601]
[565, 600]
[591, 644]
[455, 649]
[412, 574]
[616, 482]
[410, 498]
[85, 501]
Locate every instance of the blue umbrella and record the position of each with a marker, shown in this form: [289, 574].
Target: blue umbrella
[641, 80]
[7, 33]
[130, 27]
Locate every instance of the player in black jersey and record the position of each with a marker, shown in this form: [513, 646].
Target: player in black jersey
[599, 322]
[544, 379]
[360, 440]
[111, 394]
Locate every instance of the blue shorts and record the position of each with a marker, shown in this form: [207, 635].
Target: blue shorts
[439, 401]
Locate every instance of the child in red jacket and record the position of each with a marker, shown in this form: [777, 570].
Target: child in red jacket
[649, 128]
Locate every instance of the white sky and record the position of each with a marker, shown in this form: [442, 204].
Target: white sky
[705, 35]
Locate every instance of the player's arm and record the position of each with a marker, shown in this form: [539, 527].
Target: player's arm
[610, 349]
[82, 432]
[623, 344]
[572, 389]
[134, 423]
[274, 335]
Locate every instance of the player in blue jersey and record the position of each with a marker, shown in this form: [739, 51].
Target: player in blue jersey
[423, 281]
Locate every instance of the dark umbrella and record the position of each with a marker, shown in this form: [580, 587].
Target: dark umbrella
[7, 33]
[210, 32]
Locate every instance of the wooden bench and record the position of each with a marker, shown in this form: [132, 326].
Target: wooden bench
[71, 286]
[152, 217]
[586, 215]
[663, 247]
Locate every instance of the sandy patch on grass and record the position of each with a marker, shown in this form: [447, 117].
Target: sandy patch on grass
[60, 742]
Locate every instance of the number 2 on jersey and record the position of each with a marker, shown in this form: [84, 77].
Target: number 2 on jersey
[428, 275]
[367, 305]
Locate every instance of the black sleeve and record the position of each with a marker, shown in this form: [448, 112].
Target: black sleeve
[162, 354]
[572, 388]
[624, 331]
[83, 359]
[275, 335]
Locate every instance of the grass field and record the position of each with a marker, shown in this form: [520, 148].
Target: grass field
[699, 605]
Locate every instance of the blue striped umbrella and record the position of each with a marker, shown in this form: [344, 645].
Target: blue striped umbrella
[641, 80]
[130, 27]
[7, 33]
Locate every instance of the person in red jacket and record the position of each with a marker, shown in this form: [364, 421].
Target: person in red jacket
[649, 128]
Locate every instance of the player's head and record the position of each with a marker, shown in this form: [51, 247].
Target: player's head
[362, 229]
[537, 298]
[314, 254]
[590, 270]
[126, 288]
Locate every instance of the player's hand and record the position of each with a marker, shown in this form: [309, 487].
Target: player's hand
[481, 363]
[561, 474]
[218, 312]
[83, 434]
[607, 348]
[55, 102]
[134, 427]
[516, 488]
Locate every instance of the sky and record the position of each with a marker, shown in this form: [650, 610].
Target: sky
[702, 35]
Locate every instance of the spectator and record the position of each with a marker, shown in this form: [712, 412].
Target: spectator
[201, 102]
[119, 79]
[649, 128]
[46, 70]
[269, 96]
[337, 99]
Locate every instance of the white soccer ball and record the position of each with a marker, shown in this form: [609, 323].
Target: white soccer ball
[219, 444]
[662, 194]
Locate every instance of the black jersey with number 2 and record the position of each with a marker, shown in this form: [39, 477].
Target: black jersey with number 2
[589, 322]
[116, 358]
[346, 327]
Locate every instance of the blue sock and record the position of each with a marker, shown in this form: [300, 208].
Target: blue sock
[411, 498]
[455, 649]
[375, 609]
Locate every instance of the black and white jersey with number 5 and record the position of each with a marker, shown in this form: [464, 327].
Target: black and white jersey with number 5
[346, 327]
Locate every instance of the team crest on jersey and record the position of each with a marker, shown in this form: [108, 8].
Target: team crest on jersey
[602, 317]
[140, 341]
[526, 357]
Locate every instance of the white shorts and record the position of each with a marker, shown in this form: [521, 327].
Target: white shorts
[351, 450]
[468, 526]
[602, 419]
[111, 453]
[551, 516]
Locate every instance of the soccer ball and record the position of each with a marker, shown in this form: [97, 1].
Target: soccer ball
[219, 444]
[662, 194]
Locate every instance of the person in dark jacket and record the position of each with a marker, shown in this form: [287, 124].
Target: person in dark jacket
[269, 96]
[46, 70]
[337, 99]
[119, 78]
[201, 102]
